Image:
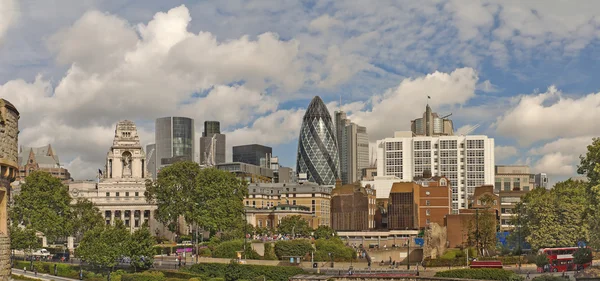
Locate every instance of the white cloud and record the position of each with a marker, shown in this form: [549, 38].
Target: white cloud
[324, 23]
[407, 101]
[115, 75]
[487, 87]
[9, 12]
[550, 115]
[503, 152]
[556, 164]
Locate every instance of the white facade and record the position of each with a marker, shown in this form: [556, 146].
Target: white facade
[119, 192]
[467, 161]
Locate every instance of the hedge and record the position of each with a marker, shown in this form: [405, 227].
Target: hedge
[144, 276]
[481, 274]
[250, 272]
[293, 248]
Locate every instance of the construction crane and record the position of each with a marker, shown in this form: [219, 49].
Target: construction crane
[447, 116]
[470, 130]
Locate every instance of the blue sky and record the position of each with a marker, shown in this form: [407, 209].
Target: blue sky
[523, 71]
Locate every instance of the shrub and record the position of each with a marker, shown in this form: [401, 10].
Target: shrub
[250, 272]
[481, 274]
[292, 248]
[205, 252]
[229, 250]
[269, 252]
[335, 246]
[179, 274]
[541, 260]
[195, 279]
[144, 276]
[582, 256]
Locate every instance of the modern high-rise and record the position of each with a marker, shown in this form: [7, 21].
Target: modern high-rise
[255, 154]
[467, 161]
[174, 139]
[353, 148]
[212, 144]
[432, 125]
[317, 145]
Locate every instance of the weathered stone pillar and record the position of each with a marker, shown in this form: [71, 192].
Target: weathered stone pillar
[9, 130]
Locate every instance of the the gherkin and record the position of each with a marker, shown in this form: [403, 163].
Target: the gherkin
[317, 146]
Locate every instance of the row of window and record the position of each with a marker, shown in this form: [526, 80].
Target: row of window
[117, 194]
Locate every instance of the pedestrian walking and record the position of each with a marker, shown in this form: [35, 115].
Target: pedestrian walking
[527, 275]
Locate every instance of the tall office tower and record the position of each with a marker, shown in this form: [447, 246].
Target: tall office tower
[151, 159]
[467, 161]
[317, 146]
[174, 139]
[254, 154]
[212, 144]
[432, 125]
[353, 148]
[340, 135]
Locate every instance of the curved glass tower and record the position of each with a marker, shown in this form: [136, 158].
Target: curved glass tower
[317, 146]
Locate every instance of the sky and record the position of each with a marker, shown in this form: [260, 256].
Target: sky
[520, 70]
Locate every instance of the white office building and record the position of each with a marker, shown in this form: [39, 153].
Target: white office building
[468, 161]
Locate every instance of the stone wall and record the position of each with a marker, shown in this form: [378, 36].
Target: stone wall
[9, 132]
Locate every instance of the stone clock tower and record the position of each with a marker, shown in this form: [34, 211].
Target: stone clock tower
[126, 158]
[9, 131]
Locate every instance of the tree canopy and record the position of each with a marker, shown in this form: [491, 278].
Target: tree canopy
[140, 248]
[294, 225]
[85, 217]
[208, 198]
[104, 246]
[582, 256]
[324, 232]
[556, 217]
[23, 239]
[43, 205]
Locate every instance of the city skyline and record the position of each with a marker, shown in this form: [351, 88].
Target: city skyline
[518, 83]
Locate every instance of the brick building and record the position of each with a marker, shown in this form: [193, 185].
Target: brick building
[435, 199]
[353, 207]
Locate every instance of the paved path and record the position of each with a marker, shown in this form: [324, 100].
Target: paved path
[40, 276]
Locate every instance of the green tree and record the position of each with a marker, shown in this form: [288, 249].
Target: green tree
[541, 260]
[140, 248]
[482, 227]
[294, 226]
[582, 256]
[104, 246]
[85, 217]
[325, 232]
[23, 239]
[208, 198]
[43, 205]
[555, 218]
[589, 163]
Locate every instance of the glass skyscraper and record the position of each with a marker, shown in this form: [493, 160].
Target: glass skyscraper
[317, 145]
[174, 138]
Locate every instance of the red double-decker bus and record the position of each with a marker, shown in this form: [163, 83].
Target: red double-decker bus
[560, 259]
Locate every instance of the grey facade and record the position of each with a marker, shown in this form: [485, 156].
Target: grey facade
[541, 180]
[431, 124]
[254, 154]
[151, 159]
[212, 144]
[248, 172]
[353, 148]
[174, 137]
[211, 127]
[317, 145]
